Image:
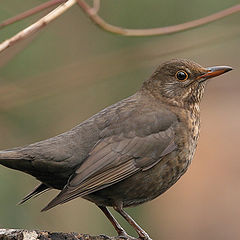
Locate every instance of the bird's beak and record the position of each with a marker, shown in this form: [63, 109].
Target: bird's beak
[214, 71]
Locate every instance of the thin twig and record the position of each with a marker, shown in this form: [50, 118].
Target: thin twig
[92, 13]
[30, 12]
[37, 25]
[154, 31]
[96, 6]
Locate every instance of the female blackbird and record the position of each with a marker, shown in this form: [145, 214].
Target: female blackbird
[128, 153]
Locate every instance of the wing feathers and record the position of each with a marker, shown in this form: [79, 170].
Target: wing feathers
[91, 185]
[118, 155]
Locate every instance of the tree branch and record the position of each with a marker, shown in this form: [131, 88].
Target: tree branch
[30, 12]
[37, 25]
[13, 234]
[154, 31]
[96, 6]
[92, 13]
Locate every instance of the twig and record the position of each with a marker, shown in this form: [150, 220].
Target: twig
[154, 31]
[96, 6]
[92, 13]
[30, 12]
[37, 25]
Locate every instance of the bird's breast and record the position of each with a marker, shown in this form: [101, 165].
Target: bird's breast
[192, 131]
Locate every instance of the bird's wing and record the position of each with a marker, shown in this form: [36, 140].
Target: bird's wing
[119, 156]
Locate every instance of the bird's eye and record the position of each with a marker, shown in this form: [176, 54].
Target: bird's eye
[181, 76]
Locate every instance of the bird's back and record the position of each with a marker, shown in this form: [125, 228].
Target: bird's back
[54, 160]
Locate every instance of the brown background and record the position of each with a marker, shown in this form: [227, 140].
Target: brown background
[72, 69]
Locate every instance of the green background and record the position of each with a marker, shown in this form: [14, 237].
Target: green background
[72, 69]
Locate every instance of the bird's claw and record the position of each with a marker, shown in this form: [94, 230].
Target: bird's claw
[124, 235]
[144, 236]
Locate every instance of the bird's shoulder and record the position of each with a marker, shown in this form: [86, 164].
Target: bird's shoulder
[137, 115]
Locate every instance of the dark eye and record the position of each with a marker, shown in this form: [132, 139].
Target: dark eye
[181, 75]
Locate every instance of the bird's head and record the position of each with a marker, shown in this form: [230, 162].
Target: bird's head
[181, 81]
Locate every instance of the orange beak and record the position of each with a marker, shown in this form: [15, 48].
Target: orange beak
[215, 71]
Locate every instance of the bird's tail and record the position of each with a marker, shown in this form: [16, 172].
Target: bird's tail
[36, 192]
[15, 159]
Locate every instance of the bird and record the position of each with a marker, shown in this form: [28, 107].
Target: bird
[130, 152]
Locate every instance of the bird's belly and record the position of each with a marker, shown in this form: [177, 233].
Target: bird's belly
[145, 185]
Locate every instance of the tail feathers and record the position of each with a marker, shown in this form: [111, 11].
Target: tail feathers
[9, 154]
[36, 192]
[16, 159]
[54, 202]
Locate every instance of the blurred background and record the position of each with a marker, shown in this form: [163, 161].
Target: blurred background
[72, 69]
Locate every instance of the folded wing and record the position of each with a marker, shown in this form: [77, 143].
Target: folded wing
[115, 158]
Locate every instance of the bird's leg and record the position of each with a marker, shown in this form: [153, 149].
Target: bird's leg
[121, 232]
[142, 234]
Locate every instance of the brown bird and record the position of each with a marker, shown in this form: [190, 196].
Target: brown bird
[128, 153]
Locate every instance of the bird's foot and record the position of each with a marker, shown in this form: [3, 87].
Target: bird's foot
[144, 236]
[124, 235]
